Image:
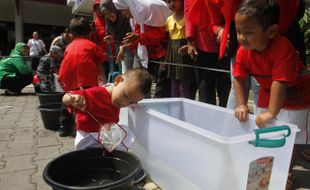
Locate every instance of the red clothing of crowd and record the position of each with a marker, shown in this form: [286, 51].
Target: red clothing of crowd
[99, 104]
[79, 66]
[198, 26]
[153, 38]
[279, 62]
[99, 33]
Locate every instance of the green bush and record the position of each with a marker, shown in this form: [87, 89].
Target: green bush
[305, 28]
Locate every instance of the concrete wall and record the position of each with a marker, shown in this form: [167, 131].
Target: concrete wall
[37, 13]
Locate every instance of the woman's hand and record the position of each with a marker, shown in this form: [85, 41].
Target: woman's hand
[121, 54]
[191, 50]
[263, 118]
[109, 39]
[242, 112]
[183, 50]
[130, 38]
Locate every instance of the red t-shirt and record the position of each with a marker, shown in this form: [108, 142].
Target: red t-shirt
[279, 62]
[98, 101]
[222, 13]
[152, 38]
[79, 66]
[198, 26]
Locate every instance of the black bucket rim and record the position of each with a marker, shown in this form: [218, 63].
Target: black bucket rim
[49, 93]
[114, 184]
[50, 109]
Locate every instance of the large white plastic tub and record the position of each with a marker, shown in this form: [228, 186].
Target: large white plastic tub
[188, 145]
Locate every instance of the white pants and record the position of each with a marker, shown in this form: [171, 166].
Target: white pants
[84, 140]
[300, 118]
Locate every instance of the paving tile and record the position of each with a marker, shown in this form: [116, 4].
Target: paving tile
[47, 153]
[24, 131]
[5, 136]
[67, 142]
[18, 149]
[17, 163]
[18, 180]
[24, 138]
[38, 175]
[43, 186]
[3, 146]
[48, 141]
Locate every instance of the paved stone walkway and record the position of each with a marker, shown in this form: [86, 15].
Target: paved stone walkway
[25, 145]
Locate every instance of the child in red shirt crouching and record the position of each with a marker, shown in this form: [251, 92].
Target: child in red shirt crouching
[284, 93]
[104, 104]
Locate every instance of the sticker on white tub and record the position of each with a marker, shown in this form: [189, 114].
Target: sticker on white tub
[260, 173]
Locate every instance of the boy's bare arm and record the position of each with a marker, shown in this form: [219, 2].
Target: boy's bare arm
[74, 100]
[242, 109]
[277, 96]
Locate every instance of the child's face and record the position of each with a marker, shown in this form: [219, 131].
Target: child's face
[250, 33]
[176, 6]
[110, 15]
[126, 92]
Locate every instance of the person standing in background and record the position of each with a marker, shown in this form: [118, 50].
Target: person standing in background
[98, 35]
[37, 49]
[148, 37]
[117, 27]
[203, 46]
[63, 40]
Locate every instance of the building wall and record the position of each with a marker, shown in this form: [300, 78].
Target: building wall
[37, 13]
[48, 19]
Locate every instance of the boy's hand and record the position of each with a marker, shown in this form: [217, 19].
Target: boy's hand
[77, 101]
[241, 113]
[263, 118]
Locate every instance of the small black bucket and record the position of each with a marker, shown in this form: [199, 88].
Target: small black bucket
[50, 114]
[49, 97]
[91, 169]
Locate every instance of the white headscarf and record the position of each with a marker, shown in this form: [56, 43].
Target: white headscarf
[145, 12]
[149, 12]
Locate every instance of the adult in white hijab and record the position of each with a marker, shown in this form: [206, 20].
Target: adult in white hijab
[144, 12]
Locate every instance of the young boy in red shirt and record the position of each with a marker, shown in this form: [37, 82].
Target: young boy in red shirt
[81, 66]
[104, 104]
[82, 61]
[274, 63]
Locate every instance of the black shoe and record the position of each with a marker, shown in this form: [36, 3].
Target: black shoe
[11, 93]
[63, 132]
[140, 176]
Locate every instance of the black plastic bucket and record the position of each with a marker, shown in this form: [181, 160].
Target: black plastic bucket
[91, 169]
[50, 114]
[49, 97]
